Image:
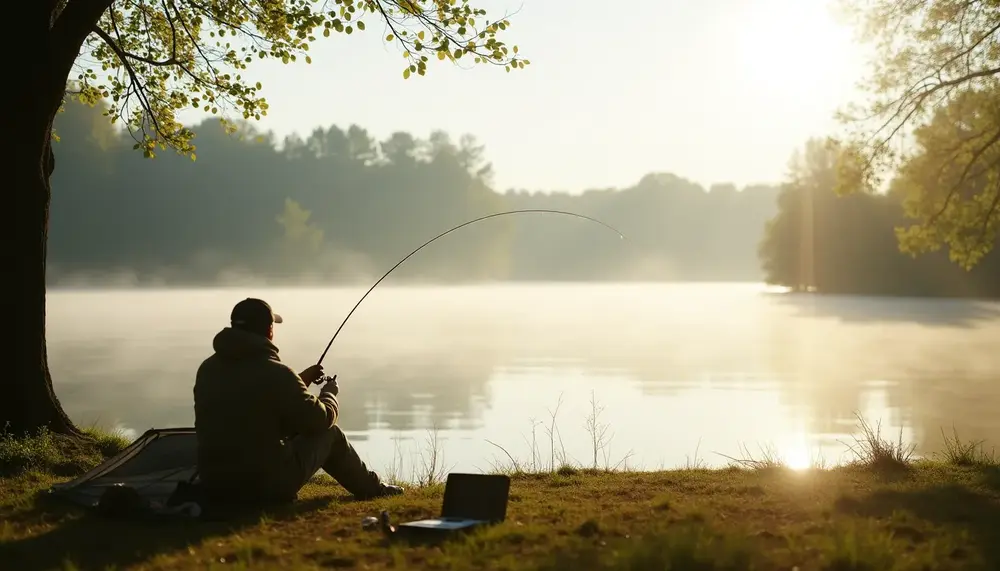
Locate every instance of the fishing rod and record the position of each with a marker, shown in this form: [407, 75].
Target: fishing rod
[445, 233]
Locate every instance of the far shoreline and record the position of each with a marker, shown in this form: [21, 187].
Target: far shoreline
[765, 289]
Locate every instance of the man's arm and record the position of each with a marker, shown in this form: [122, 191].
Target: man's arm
[300, 411]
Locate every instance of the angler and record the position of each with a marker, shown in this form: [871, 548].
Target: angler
[261, 434]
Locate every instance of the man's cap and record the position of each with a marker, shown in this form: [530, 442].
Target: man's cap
[252, 311]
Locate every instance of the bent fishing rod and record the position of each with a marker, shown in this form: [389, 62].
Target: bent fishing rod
[449, 231]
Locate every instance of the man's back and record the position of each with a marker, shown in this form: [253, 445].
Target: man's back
[246, 403]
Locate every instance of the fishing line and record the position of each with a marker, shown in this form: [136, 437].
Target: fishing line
[449, 231]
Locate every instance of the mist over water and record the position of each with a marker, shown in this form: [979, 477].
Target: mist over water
[679, 369]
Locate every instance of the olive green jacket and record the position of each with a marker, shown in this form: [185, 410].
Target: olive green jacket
[247, 403]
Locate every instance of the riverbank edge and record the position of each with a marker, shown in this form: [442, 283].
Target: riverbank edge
[882, 511]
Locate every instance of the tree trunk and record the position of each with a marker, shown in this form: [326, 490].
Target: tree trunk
[52, 40]
[29, 402]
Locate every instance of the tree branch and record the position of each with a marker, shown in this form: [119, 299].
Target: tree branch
[122, 54]
[208, 63]
[969, 49]
[173, 28]
[963, 177]
[133, 77]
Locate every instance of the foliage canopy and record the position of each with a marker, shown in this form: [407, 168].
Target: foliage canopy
[932, 55]
[153, 58]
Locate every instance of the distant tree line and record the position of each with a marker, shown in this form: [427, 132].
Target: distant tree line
[834, 240]
[339, 206]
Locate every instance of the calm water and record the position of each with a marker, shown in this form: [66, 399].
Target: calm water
[682, 372]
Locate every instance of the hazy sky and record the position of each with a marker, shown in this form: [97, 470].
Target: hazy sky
[712, 90]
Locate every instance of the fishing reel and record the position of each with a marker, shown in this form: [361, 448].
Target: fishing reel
[324, 379]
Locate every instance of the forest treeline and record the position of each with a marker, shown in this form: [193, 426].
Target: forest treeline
[833, 234]
[846, 244]
[340, 205]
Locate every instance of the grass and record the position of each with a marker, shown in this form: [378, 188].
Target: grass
[884, 510]
[873, 451]
[967, 453]
[50, 453]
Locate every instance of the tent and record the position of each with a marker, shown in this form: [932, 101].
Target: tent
[153, 465]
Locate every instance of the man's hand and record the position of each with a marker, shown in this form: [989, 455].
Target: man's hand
[312, 374]
[331, 386]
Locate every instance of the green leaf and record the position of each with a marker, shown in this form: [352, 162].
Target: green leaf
[406, 73]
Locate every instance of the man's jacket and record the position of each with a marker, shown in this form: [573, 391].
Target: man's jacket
[246, 404]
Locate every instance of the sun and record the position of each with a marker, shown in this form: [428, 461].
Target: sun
[794, 451]
[797, 458]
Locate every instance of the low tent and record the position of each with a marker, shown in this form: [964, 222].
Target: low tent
[153, 466]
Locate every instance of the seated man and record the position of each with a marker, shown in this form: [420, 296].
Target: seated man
[261, 434]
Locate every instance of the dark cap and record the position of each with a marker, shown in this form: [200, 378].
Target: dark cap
[252, 312]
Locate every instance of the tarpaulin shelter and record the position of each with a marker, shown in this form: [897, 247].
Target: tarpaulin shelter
[153, 466]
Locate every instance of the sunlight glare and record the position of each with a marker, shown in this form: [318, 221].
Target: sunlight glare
[797, 459]
[795, 453]
[795, 48]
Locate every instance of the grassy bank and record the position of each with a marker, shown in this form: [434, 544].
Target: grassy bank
[883, 512]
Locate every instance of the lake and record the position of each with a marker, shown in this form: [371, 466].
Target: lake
[681, 373]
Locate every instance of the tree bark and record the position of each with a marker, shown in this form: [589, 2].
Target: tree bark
[30, 402]
[51, 41]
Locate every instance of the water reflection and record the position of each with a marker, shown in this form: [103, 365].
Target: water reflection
[98, 385]
[865, 309]
[678, 369]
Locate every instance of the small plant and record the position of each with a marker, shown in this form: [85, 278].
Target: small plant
[514, 467]
[598, 431]
[872, 451]
[567, 470]
[556, 457]
[966, 453]
[695, 462]
[394, 472]
[432, 469]
[536, 456]
[600, 440]
[559, 460]
[769, 459]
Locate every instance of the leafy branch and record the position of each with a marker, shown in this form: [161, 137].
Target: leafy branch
[153, 59]
[926, 52]
[932, 85]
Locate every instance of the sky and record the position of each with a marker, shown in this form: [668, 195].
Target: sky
[710, 90]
